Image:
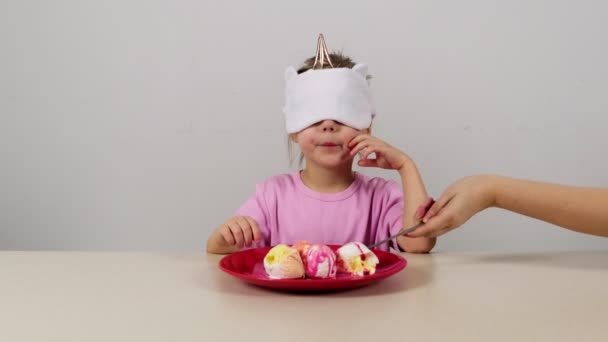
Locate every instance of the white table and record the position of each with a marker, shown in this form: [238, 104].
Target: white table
[73, 296]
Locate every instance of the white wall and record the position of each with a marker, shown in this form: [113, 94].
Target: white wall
[143, 124]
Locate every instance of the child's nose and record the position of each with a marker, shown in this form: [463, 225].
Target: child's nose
[328, 125]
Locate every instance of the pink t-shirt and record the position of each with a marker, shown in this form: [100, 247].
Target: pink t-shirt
[286, 210]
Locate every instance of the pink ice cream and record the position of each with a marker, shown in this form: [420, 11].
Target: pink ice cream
[319, 262]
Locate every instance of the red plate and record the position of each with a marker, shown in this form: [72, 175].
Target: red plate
[248, 265]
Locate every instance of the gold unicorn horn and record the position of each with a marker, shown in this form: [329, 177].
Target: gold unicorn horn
[322, 56]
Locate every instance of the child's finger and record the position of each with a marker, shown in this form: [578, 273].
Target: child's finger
[363, 143]
[246, 229]
[358, 139]
[369, 150]
[237, 232]
[257, 236]
[360, 146]
[227, 235]
[381, 149]
[368, 162]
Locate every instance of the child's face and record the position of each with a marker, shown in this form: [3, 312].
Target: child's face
[326, 143]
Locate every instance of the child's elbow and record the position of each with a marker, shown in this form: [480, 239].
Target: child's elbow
[211, 248]
[419, 245]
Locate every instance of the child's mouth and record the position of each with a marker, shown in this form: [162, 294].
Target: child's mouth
[328, 144]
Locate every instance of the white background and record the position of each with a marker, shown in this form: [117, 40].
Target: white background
[142, 125]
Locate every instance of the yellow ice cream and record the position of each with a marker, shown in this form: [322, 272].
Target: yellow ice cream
[284, 262]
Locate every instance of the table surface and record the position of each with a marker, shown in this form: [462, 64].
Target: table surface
[110, 296]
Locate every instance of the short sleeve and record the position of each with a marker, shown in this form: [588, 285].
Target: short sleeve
[255, 207]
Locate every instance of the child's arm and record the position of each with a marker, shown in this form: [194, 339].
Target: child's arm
[249, 225]
[234, 234]
[580, 209]
[414, 192]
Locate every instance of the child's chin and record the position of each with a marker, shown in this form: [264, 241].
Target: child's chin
[333, 162]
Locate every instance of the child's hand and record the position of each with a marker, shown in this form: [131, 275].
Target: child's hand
[387, 156]
[239, 231]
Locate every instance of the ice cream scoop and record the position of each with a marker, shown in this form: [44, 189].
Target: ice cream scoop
[320, 262]
[302, 246]
[355, 258]
[283, 262]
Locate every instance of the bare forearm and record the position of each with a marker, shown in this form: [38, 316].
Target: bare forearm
[414, 194]
[580, 209]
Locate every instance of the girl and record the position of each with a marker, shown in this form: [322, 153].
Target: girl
[328, 113]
